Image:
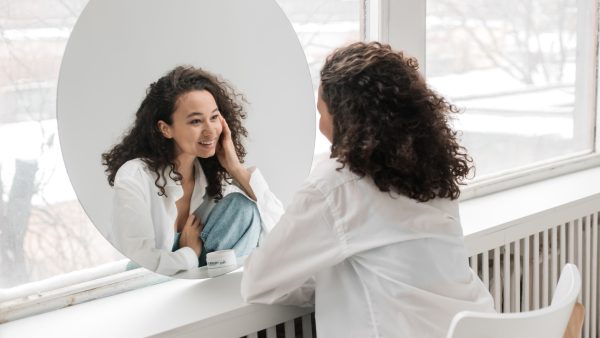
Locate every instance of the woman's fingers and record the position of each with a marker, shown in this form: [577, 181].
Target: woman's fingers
[193, 222]
[190, 235]
[198, 224]
[226, 153]
[226, 131]
[191, 219]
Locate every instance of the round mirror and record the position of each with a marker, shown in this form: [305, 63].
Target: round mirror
[118, 48]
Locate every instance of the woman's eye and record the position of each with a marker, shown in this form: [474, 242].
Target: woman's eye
[195, 121]
[214, 117]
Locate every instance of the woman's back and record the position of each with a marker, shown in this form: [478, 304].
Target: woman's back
[388, 266]
[406, 273]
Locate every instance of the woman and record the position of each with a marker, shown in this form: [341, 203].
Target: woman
[180, 188]
[373, 238]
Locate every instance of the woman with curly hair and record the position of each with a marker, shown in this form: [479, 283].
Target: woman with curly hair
[373, 238]
[180, 190]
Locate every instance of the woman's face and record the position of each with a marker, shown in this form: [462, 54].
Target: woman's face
[195, 126]
[326, 120]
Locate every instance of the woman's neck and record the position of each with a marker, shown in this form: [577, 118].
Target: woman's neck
[185, 166]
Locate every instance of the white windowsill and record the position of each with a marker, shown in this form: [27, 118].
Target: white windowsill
[492, 212]
[174, 308]
[185, 308]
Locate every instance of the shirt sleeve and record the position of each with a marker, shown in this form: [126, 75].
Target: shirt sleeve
[134, 234]
[269, 206]
[303, 242]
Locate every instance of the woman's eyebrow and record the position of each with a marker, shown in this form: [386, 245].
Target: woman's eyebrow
[198, 113]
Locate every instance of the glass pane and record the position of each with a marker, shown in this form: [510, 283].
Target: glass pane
[511, 66]
[43, 229]
[323, 25]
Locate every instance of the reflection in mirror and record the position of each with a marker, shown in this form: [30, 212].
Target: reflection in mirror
[180, 189]
[197, 146]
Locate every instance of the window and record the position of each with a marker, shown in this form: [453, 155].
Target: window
[322, 26]
[523, 72]
[44, 230]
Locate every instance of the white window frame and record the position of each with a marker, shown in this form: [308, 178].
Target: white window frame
[401, 23]
[398, 22]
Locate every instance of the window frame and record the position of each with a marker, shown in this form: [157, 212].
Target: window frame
[403, 26]
[400, 23]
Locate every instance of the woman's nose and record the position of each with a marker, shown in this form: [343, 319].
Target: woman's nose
[209, 130]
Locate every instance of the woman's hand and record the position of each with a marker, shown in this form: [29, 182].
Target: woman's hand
[230, 161]
[190, 235]
[226, 150]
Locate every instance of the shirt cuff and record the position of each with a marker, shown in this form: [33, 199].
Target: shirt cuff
[191, 260]
[269, 206]
[257, 182]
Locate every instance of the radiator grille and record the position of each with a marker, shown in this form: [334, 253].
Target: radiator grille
[522, 274]
[301, 327]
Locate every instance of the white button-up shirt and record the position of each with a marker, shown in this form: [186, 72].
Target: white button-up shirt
[375, 264]
[143, 226]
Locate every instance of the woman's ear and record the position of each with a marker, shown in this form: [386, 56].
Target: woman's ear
[165, 129]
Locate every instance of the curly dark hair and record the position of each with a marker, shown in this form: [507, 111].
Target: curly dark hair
[389, 125]
[145, 141]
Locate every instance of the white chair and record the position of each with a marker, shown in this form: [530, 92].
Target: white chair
[549, 322]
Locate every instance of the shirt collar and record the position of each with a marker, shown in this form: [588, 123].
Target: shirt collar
[174, 190]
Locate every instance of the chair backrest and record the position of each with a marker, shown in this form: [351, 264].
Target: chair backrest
[549, 322]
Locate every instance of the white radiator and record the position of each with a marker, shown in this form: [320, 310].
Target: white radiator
[520, 263]
[522, 273]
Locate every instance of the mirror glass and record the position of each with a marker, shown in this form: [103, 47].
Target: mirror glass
[118, 48]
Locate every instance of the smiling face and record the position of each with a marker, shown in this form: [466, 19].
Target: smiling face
[195, 126]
